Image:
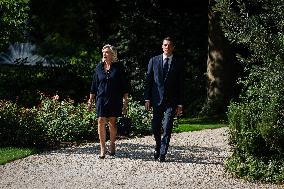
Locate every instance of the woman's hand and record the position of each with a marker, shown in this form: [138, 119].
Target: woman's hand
[90, 105]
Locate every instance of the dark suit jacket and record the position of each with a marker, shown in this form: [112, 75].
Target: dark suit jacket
[170, 90]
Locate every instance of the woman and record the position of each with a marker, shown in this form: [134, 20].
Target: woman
[110, 90]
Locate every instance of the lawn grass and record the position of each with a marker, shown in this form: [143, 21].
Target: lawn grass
[200, 123]
[9, 154]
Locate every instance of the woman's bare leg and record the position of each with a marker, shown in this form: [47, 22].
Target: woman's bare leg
[112, 132]
[102, 135]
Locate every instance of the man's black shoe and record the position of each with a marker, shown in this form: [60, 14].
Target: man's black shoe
[156, 155]
[162, 158]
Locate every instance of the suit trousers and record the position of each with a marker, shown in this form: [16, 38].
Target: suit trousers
[162, 126]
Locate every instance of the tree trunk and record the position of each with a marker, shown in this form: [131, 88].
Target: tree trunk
[220, 67]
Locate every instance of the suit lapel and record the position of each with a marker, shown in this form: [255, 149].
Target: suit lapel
[160, 67]
[172, 65]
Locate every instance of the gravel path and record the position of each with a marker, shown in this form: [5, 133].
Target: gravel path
[195, 160]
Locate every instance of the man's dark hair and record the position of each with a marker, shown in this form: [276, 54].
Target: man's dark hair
[168, 39]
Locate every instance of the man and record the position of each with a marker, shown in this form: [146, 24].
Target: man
[164, 92]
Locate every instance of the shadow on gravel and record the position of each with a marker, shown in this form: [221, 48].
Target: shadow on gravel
[178, 154]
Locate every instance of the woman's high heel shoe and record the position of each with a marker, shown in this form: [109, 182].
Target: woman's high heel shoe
[102, 156]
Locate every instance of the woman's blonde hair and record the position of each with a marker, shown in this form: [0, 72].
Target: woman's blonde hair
[112, 49]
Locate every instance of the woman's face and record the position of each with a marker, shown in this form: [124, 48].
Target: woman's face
[107, 55]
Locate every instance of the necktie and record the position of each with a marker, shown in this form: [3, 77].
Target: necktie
[165, 67]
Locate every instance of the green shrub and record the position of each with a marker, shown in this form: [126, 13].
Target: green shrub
[257, 143]
[244, 136]
[65, 122]
[253, 168]
[256, 123]
[53, 122]
[22, 83]
[141, 118]
[9, 122]
[14, 21]
[18, 126]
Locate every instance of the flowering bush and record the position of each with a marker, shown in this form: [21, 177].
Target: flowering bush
[141, 119]
[50, 123]
[18, 126]
[63, 121]
[53, 122]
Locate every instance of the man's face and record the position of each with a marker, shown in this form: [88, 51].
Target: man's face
[107, 55]
[167, 47]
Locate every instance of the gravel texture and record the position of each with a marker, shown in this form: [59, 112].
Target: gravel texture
[194, 160]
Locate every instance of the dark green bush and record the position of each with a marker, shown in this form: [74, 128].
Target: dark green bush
[51, 123]
[256, 123]
[253, 168]
[65, 122]
[18, 126]
[21, 83]
[14, 21]
[54, 121]
[9, 121]
[141, 118]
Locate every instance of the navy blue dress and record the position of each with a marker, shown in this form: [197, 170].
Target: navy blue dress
[109, 88]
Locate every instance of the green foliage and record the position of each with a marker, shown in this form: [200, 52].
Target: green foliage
[18, 126]
[50, 123]
[21, 83]
[55, 121]
[13, 18]
[244, 135]
[65, 122]
[141, 118]
[8, 120]
[257, 121]
[253, 168]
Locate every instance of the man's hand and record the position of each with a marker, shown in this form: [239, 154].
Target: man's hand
[125, 104]
[147, 105]
[179, 111]
[125, 108]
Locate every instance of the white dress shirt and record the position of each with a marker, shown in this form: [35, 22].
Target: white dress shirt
[170, 60]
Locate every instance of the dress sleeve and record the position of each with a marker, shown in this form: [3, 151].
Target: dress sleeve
[94, 85]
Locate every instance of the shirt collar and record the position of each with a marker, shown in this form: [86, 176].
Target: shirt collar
[170, 57]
